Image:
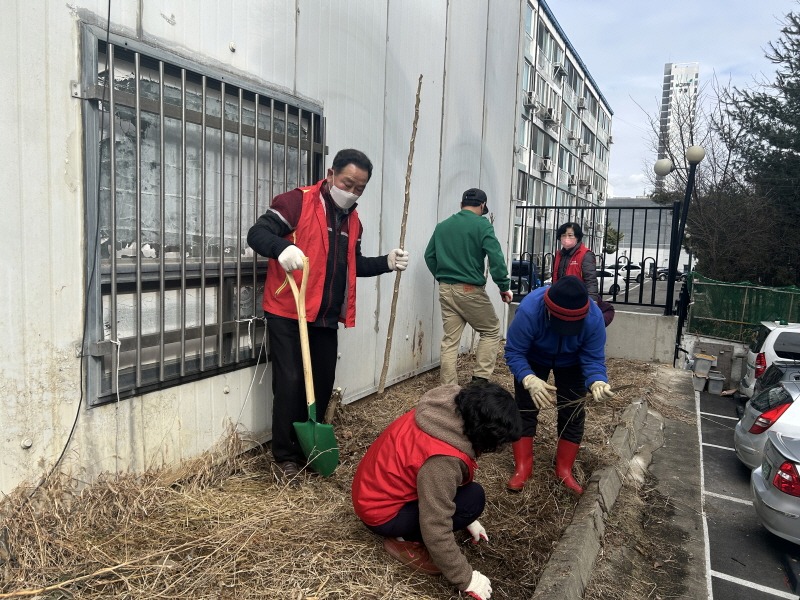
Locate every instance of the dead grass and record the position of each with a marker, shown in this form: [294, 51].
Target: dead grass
[223, 526]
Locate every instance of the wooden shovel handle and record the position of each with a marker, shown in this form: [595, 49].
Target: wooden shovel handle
[300, 303]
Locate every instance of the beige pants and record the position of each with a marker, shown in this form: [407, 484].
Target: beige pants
[462, 304]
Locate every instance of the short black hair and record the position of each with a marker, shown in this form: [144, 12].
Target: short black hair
[576, 229]
[351, 156]
[490, 414]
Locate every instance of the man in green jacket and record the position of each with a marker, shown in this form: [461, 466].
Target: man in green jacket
[456, 255]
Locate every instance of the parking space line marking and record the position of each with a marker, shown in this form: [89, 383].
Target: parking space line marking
[731, 498]
[754, 586]
[708, 414]
[706, 541]
[716, 446]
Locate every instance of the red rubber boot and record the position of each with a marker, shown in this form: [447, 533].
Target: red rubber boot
[565, 458]
[523, 463]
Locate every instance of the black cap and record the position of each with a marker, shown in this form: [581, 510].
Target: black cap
[567, 302]
[474, 197]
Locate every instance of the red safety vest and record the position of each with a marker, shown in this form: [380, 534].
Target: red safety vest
[311, 236]
[386, 478]
[575, 266]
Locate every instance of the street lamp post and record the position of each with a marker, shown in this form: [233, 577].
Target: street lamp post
[663, 167]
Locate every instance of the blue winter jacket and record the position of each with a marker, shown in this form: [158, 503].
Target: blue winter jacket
[531, 341]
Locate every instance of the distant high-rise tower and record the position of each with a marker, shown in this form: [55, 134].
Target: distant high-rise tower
[678, 105]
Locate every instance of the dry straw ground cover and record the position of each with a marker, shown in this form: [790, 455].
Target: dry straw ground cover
[224, 526]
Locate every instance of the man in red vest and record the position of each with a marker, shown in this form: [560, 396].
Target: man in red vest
[319, 221]
[415, 485]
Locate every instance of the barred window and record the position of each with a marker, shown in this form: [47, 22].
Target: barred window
[185, 162]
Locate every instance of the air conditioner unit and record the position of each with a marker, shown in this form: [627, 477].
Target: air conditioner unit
[572, 135]
[584, 183]
[551, 115]
[546, 165]
[600, 195]
[528, 100]
[610, 140]
[584, 149]
[581, 103]
[571, 182]
[559, 70]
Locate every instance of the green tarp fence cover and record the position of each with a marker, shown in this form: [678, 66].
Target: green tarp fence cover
[733, 311]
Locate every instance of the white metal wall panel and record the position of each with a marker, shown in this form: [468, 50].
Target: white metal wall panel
[254, 37]
[504, 52]
[424, 22]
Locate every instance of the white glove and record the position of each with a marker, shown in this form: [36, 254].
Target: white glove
[601, 391]
[398, 259]
[291, 259]
[477, 532]
[539, 391]
[507, 297]
[479, 586]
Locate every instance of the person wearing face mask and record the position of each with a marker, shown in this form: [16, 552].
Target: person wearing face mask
[456, 256]
[319, 221]
[573, 258]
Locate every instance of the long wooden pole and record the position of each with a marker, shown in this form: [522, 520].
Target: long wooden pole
[393, 312]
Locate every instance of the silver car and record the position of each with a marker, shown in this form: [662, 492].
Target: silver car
[776, 487]
[772, 409]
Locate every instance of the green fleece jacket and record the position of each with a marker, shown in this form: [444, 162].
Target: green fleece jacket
[458, 249]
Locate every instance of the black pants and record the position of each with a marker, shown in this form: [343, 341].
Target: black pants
[288, 383]
[470, 501]
[570, 402]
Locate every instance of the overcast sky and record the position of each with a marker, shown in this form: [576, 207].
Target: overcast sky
[625, 44]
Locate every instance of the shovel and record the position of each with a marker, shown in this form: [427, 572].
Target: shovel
[316, 439]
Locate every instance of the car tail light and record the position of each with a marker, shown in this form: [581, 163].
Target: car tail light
[787, 479]
[761, 364]
[767, 419]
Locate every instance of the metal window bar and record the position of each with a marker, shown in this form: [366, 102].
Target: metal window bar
[161, 224]
[238, 231]
[158, 350]
[203, 183]
[221, 244]
[138, 245]
[183, 254]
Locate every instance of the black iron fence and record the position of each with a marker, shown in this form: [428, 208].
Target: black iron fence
[631, 242]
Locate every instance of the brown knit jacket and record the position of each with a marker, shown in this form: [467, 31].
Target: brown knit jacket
[438, 480]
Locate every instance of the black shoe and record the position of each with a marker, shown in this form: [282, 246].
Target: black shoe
[290, 472]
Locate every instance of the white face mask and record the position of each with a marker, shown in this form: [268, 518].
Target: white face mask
[342, 199]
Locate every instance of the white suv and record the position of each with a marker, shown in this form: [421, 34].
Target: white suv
[774, 340]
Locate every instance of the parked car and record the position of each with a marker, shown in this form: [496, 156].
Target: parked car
[776, 487]
[772, 341]
[610, 283]
[771, 409]
[523, 274]
[631, 271]
[663, 272]
[779, 370]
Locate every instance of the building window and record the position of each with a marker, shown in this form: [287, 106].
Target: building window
[185, 161]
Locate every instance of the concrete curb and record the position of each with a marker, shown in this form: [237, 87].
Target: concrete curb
[569, 568]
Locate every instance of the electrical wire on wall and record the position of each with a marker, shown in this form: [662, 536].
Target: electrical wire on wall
[92, 272]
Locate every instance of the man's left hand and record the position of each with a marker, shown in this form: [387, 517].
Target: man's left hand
[398, 259]
[507, 296]
[601, 391]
